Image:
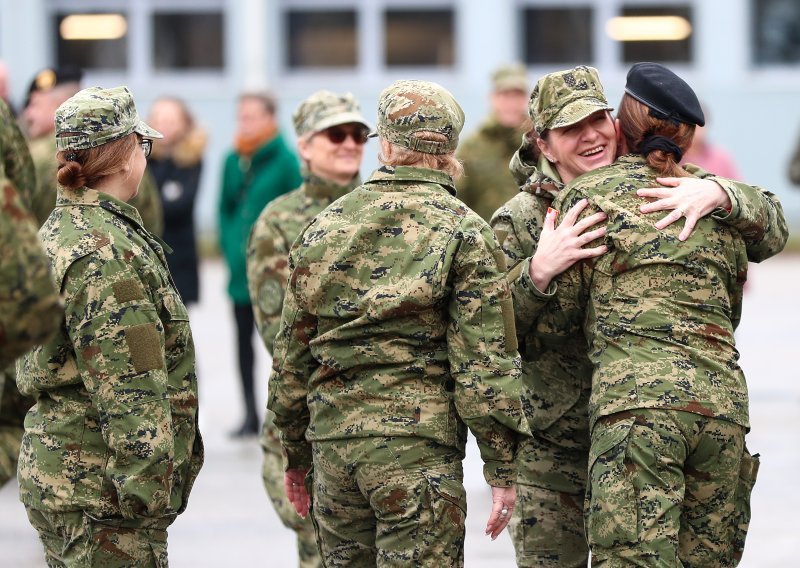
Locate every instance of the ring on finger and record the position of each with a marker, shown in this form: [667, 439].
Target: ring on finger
[504, 512]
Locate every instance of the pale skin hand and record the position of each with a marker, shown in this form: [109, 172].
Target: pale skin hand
[294, 484]
[692, 198]
[502, 498]
[561, 247]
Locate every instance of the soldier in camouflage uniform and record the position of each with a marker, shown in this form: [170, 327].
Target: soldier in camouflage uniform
[669, 474]
[47, 91]
[548, 528]
[111, 447]
[396, 332]
[30, 309]
[486, 183]
[331, 134]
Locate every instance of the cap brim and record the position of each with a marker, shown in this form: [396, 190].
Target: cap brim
[146, 131]
[574, 112]
[512, 85]
[343, 118]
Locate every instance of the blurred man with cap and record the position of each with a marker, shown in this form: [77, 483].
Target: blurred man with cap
[396, 334]
[486, 183]
[573, 133]
[48, 89]
[669, 473]
[331, 133]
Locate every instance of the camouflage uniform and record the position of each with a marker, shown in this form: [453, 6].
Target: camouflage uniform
[486, 183]
[281, 222]
[547, 525]
[393, 338]
[148, 202]
[111, 447]
[43, 199]
[29, 309]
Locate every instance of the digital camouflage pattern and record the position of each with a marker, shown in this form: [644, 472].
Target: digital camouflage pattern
[43, 196]
[396, 501]
[408, 107]
[324, 109]
[557, 372]
[113, 432]
[393, 325]
[487, 183]
[281, 222]
[17, 164]
[566, 97]
[96, 116]
[13, 407]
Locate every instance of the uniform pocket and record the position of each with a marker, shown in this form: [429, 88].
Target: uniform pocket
[748, 471]
[612, 512]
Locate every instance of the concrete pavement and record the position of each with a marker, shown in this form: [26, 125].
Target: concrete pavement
[229, 521]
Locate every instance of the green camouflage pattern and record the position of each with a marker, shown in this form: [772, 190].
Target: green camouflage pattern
[17, 164]
[281, 222]
[43, 197]
[487, 183]
[114, 431]
[397, 322]
[396, 501]
[13, 407]
[96, 116]
[74, 539]
[407, 107]
[669, 487]
[511, 77]
[566, 97]
[148, 202]
[324, 109]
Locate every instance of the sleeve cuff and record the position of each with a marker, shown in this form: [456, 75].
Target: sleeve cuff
[728, 187]
[296, 455]
[500, 474]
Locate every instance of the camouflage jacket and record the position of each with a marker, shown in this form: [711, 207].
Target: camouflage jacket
[487, 183]
[397, 322]
[30, 309]
[658, 314]
[114, 428]
[282, 220]
[148, 202]
[43, 198]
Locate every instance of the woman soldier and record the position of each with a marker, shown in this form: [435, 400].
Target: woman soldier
[574, 133]
[111, 447]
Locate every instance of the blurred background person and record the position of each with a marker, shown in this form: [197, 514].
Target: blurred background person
[712, 158]
[176, 164]
[258, 169]
[111, 447]
[4, 90]
[487, 183]
[331, 135]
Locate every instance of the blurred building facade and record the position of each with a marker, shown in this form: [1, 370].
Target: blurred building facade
[741, 56]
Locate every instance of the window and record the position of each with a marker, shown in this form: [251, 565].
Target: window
[654, 33]
[557, 35]
[184, 40]
[776, 31]
[92, 40]
[419, 38]
[321, 38]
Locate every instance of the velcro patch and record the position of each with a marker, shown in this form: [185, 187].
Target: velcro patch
[145, 347]
[266, 247]
[509, 327]
[500, 259]
[127, 291]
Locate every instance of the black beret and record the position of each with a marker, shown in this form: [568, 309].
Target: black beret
[50, 78]
[668, 96]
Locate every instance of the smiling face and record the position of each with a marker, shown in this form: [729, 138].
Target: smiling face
[581, 147]
[331, 158]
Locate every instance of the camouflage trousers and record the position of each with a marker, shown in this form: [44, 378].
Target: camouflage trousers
[272, 475]
[388, 502]
[10, 439]
[668, 488]
[74, 540]
[547, 525]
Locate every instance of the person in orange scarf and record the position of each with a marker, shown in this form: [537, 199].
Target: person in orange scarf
[258, 169]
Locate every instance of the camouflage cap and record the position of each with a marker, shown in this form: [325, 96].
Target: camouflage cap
[513, 77]
[324, 109]
[566, 97]
[96, 116]
[407, 107]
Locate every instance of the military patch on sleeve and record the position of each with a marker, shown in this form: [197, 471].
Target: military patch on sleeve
[270, 297]
[266, 247]
[145, 347]
[509, 327]
[127, 291]
[500, 259]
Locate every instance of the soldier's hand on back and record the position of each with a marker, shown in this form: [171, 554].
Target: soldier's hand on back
[503, 501]
[294, 483]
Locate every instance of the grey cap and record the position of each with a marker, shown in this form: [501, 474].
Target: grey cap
[96, 116]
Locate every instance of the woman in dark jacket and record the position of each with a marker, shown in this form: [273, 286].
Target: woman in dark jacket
[176, 163]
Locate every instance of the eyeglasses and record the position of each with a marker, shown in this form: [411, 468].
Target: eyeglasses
[338, 134]
[147, 146]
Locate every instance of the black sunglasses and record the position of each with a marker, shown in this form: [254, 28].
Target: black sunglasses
[338, 134]
[147, 146]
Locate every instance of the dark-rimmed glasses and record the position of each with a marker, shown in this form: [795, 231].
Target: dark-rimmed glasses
[147, 146]
[338, 134]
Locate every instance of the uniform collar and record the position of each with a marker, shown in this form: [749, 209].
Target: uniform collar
[320, 188]
[392, 174]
